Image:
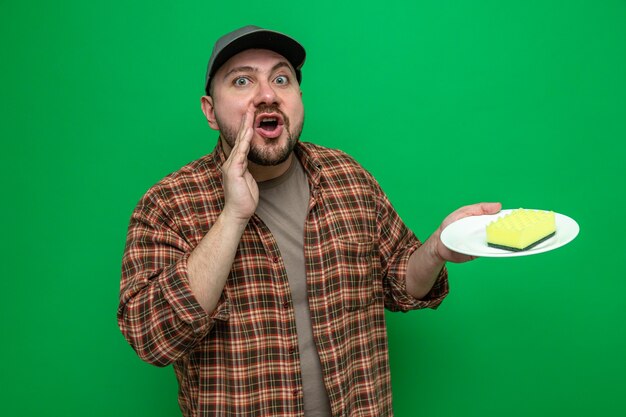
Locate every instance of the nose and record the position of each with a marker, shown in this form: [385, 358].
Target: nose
[265, 94]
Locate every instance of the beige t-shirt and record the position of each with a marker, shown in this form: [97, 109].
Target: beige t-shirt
[283, 207]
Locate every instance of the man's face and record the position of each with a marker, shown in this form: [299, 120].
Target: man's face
[265, 81]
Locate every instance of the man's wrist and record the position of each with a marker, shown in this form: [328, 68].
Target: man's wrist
[432, 245]
[229, 219]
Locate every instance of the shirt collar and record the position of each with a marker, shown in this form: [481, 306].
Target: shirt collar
[310, 162]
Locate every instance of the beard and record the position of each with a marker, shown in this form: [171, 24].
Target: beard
[272, 152]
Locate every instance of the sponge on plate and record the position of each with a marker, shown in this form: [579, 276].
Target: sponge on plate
[521, 229]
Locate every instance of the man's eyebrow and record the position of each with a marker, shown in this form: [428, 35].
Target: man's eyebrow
[247, 68]
[240, 69]
[282, 64]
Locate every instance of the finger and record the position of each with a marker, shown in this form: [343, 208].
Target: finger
[243, 146]
[472, 210]
[488, 208]
[481, 208]
[244, 136]
[242, 125]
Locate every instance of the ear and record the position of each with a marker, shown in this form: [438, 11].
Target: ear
[208, 109]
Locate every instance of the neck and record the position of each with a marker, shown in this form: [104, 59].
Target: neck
[266, 173]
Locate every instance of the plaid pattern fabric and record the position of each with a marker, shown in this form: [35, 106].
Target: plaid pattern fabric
[242, 359]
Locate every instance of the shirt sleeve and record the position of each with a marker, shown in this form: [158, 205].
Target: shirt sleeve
[397, 243]
[158, 313]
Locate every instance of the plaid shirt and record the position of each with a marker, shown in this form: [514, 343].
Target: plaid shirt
[242, 359]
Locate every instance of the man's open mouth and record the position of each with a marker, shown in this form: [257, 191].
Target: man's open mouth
[269, 125]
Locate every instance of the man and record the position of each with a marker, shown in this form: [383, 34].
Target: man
[262, 270]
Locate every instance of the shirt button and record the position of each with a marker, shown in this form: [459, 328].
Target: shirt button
[285, 304]
[292, 350]
[296, 392]
[275, 259]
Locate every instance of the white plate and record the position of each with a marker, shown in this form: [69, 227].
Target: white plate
[469, 236]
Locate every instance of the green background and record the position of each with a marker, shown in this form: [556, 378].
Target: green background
[446, 102]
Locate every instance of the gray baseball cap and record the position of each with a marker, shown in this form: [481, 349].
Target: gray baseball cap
[254, 37]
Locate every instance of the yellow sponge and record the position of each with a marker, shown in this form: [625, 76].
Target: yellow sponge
[521, 229]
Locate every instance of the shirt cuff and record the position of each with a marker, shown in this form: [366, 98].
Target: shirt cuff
[405, 301]
[177, 291]
[438, 292]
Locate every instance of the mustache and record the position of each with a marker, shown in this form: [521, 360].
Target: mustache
[271, 108]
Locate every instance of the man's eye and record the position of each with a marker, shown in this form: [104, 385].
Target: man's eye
[281, 80]
[241, 81]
